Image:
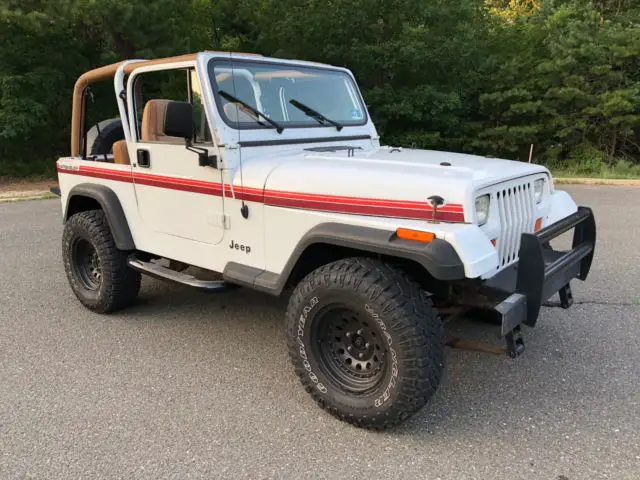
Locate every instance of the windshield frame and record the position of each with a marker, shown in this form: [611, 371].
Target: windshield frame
[239, 63]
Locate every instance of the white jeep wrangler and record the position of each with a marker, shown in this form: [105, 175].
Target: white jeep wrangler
[270, 174]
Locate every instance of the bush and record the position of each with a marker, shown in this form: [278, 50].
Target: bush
[585, 159]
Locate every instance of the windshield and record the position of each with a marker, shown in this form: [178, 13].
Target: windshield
[289, 95]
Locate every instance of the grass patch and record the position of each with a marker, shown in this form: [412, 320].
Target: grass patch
[586, 161]
[622, 170]
[44, 196]
[37, 170]
[10, 179]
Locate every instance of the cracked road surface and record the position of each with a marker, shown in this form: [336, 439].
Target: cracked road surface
[186, 385]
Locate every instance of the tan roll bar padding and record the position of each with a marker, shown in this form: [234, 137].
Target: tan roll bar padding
[104, 73]
[121, 153]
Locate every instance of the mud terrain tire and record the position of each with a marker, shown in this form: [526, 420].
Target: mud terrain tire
[96, 269]
[365, 341]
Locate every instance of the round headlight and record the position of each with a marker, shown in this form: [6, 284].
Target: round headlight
[482, 209]
[538, 189]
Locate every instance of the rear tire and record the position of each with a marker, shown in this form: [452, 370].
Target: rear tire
[365, 341]
[97, 271]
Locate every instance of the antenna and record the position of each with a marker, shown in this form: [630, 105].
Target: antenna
[244, 210]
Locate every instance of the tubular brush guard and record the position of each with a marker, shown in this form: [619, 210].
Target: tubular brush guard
[543, 271]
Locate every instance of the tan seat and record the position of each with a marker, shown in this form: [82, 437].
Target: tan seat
[152, 129]
[121, 153]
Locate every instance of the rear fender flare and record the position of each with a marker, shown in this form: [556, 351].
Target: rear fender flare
[112, 208]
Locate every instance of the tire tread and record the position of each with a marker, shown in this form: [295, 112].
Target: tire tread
[411, 319]
[121, 284]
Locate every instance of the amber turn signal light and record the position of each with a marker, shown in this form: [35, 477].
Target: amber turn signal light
[415, 235]
[538, 226]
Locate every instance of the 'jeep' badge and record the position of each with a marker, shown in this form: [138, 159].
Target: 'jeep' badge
[243, 248]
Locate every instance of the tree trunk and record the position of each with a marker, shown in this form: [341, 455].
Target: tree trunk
[613, 142]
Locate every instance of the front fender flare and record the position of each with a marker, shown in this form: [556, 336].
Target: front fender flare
[439, 257]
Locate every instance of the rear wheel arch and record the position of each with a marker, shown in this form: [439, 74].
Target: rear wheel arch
[88, 196]
[96, 269]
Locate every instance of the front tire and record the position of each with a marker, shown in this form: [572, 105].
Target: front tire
[365, 341]
[97, 271]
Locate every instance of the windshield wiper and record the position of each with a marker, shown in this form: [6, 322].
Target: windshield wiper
[279, 128]
[310, 112]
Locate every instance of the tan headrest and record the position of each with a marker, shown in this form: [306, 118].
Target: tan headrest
[235, 113]
[153, 123]
[121, 153]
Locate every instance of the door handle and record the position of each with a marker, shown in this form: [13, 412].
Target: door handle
[144, 160]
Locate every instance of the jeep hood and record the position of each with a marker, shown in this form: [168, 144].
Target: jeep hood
[384, 173]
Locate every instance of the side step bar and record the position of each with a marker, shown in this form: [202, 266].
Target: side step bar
[164, 273]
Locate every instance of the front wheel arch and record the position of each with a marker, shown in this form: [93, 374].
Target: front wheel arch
[437, 260]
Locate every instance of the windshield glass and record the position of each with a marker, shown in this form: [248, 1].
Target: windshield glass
[291, 96]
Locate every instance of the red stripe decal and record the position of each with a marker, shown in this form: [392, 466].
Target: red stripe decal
[308, 201]
[107, 174]
[361, 201]
[378, 210]
[200, 187]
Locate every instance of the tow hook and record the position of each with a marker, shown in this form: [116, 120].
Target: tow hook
[566, 297]
[515, 342]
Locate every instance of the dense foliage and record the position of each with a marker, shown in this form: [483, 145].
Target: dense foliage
[482, 76]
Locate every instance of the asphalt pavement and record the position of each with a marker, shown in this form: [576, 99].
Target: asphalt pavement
[188, 385]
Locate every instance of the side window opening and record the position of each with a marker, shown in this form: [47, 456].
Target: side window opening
[103, 125]
[154, 90]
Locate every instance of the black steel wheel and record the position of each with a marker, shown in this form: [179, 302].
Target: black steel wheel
[96, 269]
[87, 264]
[351, 348]
[365, 341]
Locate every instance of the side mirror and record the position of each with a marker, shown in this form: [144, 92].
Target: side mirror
[178, 120]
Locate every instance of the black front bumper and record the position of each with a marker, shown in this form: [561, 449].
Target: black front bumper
[541, 271]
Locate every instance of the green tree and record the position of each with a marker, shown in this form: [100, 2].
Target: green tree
[483, 76]
[39, 58]
[565, 78]
[45, 46]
